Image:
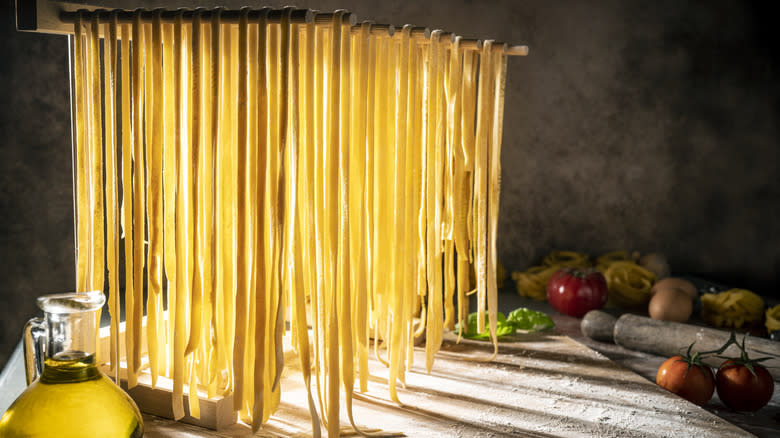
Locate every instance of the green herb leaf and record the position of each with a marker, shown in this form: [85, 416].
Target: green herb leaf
[503, 327]
[522, 319]
[531, 320]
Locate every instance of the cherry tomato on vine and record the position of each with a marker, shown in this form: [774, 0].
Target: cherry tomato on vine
[743, 389]
[686, 378]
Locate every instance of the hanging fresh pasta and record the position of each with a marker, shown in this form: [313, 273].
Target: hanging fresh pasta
[272, 166]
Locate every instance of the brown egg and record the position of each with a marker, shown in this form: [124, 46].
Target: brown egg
[676, 283]
[670, 304]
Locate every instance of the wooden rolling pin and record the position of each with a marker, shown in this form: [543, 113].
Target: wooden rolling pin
[667, 338]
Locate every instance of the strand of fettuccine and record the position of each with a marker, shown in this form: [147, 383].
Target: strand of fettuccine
[181, 219]
[112, 230]
[396, 293]
[305, 239]
[83, 225]
[170, 158]
[242, 235]
[498, 60]
[258, 115]
[332, 221]
[96, 172]
[154, 206]
[433, 198]
[134, 356]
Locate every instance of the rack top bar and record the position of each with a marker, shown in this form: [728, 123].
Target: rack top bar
[227, 16]
[57, 17]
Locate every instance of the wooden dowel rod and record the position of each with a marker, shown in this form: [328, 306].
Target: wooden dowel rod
[326, 18]
[446, 38]
[470, 44]
[57, 17]
[401, 31]
[298, 16]
[375, 29]
[379, 29]
[421, 32]
[358, 26]
[423, 36]
[516, 51]
[499, 47]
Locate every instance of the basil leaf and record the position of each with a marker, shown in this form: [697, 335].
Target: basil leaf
[503, 327]
[527, 319]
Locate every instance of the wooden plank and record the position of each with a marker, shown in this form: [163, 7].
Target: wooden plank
[215, 413]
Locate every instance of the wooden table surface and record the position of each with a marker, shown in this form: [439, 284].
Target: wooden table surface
[541, 385]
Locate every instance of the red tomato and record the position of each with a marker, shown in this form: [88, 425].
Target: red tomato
[740, 390]
[694, 383]
[575, 291]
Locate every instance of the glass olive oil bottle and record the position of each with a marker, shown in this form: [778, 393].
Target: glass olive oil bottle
[67, 395]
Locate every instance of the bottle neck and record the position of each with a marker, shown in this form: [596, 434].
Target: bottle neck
[71, 336]
[61, 346]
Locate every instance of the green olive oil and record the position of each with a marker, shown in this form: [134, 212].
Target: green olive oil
[72, 398]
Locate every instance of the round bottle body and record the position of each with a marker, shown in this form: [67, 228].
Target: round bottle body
[72, 399]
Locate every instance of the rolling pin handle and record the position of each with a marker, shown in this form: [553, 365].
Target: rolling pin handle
[598, 325]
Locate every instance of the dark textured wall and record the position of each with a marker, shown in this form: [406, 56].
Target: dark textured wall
[647, 125]
[36, 201]
[639, 125]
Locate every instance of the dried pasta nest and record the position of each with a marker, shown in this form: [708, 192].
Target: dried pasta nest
[773, 319]
[733, 308]
[629, 284]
